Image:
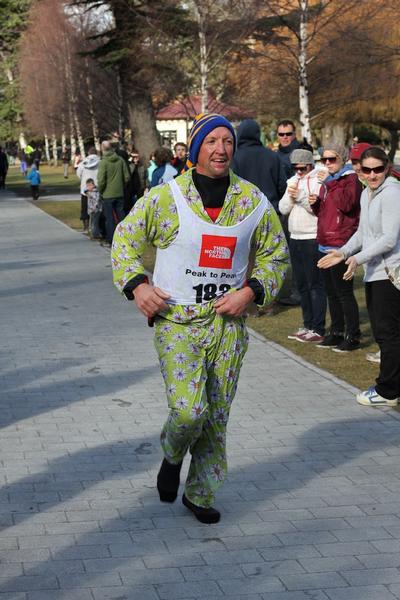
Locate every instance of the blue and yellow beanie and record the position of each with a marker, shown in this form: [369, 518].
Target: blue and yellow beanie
[203, 124]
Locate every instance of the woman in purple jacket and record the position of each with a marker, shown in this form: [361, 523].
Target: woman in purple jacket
[338, 210]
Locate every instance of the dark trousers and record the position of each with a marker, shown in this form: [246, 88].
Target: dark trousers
[383, 304]
[113, 209]
[3, 180]
[305, 255]
[84, 213]
[284, 219]
[342, 303]
[35, 192]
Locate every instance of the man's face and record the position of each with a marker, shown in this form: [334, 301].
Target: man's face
[216, 153]
[286, 135]
[180, 152]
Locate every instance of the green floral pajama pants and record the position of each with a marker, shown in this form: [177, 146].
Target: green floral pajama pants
[200, 363]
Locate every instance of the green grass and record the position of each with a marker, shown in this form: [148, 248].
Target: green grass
[351, 367]
[53, 182]
[277, 324]
[67, 211]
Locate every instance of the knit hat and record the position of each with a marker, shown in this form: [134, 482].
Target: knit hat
[302, 157]
[203, 124]
[357, 150]
[337, 148]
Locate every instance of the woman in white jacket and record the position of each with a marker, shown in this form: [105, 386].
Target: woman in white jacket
[376, 246]
[303, 245]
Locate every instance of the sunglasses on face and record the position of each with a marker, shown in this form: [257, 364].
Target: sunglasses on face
[301, 169]
[326, 159]
[286, 133]
[376, 170]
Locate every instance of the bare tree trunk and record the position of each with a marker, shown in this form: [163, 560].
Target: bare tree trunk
[303, 81]
[47, 148]
[394, 143]
[93, 118]
[95, 127]
[11, 81]
[22, 140]
[120, 96]
[203, 57]
[74, 119]
[334, 131]
[54, 149]
[142, 123]
[63, 140]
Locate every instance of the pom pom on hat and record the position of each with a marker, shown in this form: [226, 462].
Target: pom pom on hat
[203, 124]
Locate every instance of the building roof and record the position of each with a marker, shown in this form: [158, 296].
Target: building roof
[189, 107]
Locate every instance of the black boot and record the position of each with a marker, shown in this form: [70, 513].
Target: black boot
[168, 481]
[204, 515]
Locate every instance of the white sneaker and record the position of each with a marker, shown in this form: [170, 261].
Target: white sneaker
[370, 397]
[374, 357]
[301, 331]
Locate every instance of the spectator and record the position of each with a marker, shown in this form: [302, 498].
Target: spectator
[37, 156]
[355, 157]
[34, 179]
[258, 164]
[94, 208]
[164, 171]
[87, 169]
[376, 246]
[137, 182]
[338, 209]
[179, 160]
[303, 246]
[287, 143]
[3, 168]
[77, 159]
[112, 177]
[23, 163]
[66, 158]
[151, 167]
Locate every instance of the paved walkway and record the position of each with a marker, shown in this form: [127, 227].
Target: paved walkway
[311, 508]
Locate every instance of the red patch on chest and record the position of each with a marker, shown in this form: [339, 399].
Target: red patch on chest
[217, 251]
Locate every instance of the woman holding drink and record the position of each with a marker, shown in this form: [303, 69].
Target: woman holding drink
[303, 245]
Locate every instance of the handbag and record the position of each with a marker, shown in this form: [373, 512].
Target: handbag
[394, 274]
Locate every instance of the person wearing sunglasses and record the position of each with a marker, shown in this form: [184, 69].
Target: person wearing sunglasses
[288, 142]
[338, 209]
[304, 252]
[376, 246]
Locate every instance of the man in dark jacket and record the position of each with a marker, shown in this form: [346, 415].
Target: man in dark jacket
[112, 177]
[287, 143]
[3, 168]
[258, 164]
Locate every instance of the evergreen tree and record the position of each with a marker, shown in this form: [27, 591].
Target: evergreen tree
[13, 19]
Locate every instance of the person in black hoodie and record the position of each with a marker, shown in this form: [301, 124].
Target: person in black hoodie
[258, 164]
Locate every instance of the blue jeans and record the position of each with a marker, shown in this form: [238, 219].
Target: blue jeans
[95, 224]
[305, 255]
[114, 213]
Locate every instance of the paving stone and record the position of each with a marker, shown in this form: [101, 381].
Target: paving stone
[368, 592]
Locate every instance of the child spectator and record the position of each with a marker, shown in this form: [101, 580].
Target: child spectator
[34, 179]
[94, 208]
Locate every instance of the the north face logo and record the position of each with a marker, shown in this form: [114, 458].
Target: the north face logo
[217, 251]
